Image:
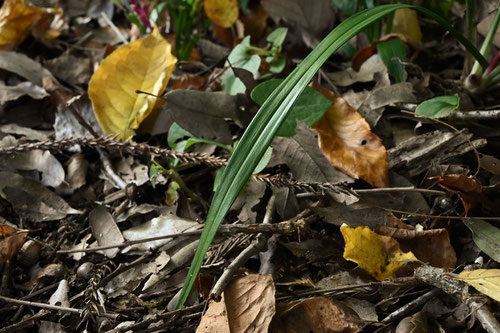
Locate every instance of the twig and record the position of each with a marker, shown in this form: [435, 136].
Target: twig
[411, 307]
[398, 189]
[113, 26]
[122, 268]
[41, 305]
[486, 218]
[290, 228]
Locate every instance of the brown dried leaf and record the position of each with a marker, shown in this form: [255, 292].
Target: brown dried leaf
[11, 242]
[467, 188]
[317, 314]
[247, 305]
[349, 145]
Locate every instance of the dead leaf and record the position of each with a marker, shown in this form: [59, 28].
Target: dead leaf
[77, 171]
[159, 226]
[71, 69]
[311, 19]
[430, 246]
[146, 65]
[43, 161]
[11, 93]
[200, 113]
[304, 158]
[467, 188]
[105, 230]
[32, 200]
[222, 12]
[248, 198]
[349, 145]
[316, 314]
[247, 305]
[484, 26]
[486, 281]
[366, 73]
[16, 20]
[255, 22]
[190, 82]
[378, 255]
[24, 66]
[10, 242]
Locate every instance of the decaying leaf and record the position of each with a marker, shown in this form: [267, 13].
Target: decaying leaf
[105, 230]
[11, 93]
[222, 12]
[430, 246]
[348, 143]
[32, 200]
[43, 161]
[247, 305]
[467, 188]
[16, 19]
[10, 242]
[316, 314]
[159, 226]
[486, 281]
[378, 255]
[486, 236]
[145, 65]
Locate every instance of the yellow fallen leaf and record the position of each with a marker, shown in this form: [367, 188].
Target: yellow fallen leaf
[486, 281]
[146, 65]
[16, 19]
[378, 255]
[345, 138]
[222, 12]
[406, 22]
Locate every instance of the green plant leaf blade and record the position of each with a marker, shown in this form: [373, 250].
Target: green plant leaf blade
[273, 112]
[390, 51]
[486, 237]
[438, 107]
[309, 107]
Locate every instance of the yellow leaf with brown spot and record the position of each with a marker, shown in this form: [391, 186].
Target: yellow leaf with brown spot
[16, 20]
[145, 64]
[222, 12]
[348, 143]
[378, 255]
[486, 281]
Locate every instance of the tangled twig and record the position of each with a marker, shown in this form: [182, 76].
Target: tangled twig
[134, 148]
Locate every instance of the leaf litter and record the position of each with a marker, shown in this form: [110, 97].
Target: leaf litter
[362, 207]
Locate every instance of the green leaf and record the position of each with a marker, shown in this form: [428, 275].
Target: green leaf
[309, 107]
[438, 107]
[277, 37]
[273, 112]
[486, 237]
[176, 133]
[241, 59]
[393, 53]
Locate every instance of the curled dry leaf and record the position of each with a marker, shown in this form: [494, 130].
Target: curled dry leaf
[146, 65]
[222, 12]
[467, 188]
[16, 20]
[11, 242]
[349, 145]
[378, 255]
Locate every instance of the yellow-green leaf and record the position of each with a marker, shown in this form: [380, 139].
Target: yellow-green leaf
[486, 281]
[16, 19]
[146, 65]
[378, 255]
[222, 12]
